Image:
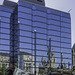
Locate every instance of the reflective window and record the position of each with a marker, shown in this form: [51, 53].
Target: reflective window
[5, 30]
[24, 15]
[6, 9]
[65, 20]
[41, 53]
[65, 15]
[7, 42]
[24, 9]
[54, 22]
[5, 25]
[55, 43]
[65, 24]
[68, 56]
[53, 27]
[41, 47]
[5, 14]
[66, 35]
[41, 8]
[66, 50]
[24, 21]
[56, 49]
[3, 47]
[66, 30]
[25, 39]
[65, 45]
[55, 17]
[39, 13]
[53, 12]
[3, 19]
[25, 45]
[40, 19]
[66, 40]
[41, 36]
[38, 24]
[25, 27]
[25, 33]
[5, 36]
[40, 30]
[51, 32]
[54, 38]
[39, 41]
[24, 4]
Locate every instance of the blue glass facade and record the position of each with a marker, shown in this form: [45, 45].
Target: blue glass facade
[48, 23]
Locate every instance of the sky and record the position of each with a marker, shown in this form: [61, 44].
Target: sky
[63, 5]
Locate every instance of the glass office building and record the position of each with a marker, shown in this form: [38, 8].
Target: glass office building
[48, 23]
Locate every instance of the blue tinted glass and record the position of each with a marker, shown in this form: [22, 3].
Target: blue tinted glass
[6, 9]
[65, 45]
[7, 42]
[66, 35]
[5, 30]
[55, 17]
[55, 43]
[57, 55]
[25, 33]
[65, 15]
[41, 36]
[24, 4]
[65, 24]
[41, 8]
[51, 32]
[40, 30]
[5, 14]
[25, 39]
[3, 47]
[38, 24]
[39, 13]
[53, 27]
[5, 36]
[66, 30]
[67, 56]
[54, 22]
[24, 9]
[5, 25]
[24, 15]
[24, 21]
[41, 47]
[66, 40]
[56, 49]
[54, 38]
[66, 20]
[25, 45]
[3, 19]
[40, 19]
[40, 53]
[25, 27]
[53, 11]
[66, 50]
[39, 41]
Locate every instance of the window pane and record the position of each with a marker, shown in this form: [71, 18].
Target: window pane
[24, 15]
[53, 27]
[24, 9]
[24, 21]
[25, 27]
[38, 24]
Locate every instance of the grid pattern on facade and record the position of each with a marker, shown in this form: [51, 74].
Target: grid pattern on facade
[48, 23]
